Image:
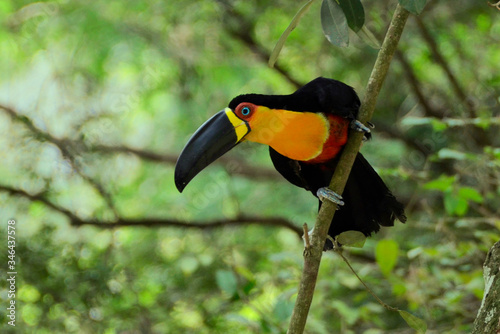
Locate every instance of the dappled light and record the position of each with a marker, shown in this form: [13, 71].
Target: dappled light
[98, 99]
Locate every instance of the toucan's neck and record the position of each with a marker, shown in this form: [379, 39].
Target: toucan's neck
[302, 136]
[339, 130]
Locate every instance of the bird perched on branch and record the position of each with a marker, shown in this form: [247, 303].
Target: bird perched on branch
[306, 132]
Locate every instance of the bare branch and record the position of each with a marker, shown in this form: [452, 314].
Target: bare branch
[459, 91]
[478, 135]
[495, 5]
[239, 28]
[397, 134]
[40, 197]
[156, 222]
[165, 222]
[65, 148]
[232, 165]
[246, 38]
[416, 87]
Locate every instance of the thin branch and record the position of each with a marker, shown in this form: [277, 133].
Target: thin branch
[462, 122]
[246, 38]
[397, 134]
[478, 135]
[40, 197]
[217, 223]
[66, 150]
[494, 5]
[305, 231]
[232, 165]
[416, 87]
[338, 250]
[459, 91]
[155, 222]
[313, 257]
[240, 28]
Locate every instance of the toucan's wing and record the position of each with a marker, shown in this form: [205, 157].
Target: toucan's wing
[308, 176]
[327, 96]
[290, 169]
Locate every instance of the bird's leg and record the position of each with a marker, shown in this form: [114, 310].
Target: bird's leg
[332, 196]
[360, 127]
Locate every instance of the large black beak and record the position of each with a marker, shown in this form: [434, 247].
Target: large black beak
[215, 137]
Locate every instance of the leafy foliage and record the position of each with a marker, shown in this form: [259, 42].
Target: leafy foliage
[106, 94]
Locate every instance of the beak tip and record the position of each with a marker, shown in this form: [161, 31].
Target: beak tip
[180, 186]
[180, 181]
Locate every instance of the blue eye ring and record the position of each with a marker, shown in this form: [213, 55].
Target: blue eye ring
[245, 111]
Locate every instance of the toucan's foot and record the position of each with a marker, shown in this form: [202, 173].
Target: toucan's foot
[360, 127]
[332, 196]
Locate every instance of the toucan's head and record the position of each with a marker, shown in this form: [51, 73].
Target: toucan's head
[297, 135]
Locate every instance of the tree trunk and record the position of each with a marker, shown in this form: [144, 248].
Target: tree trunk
[488, 317]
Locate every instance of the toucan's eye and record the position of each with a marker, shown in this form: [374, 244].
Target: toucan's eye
[245, 110]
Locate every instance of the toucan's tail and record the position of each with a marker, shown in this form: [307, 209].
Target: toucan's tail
[368, 202]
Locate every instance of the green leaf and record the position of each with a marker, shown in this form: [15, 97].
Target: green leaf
[226, 281]
[283, 309]
[386, 254]
[454, 204]
[352, 239]
[349, 314]
[413, 6]
[293, 24]
[334, 23]
[354, 13]
[414, 322]
[470, 194]
[443, 183]
[369, 38]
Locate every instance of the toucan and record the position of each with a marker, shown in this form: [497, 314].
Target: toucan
[306, 132]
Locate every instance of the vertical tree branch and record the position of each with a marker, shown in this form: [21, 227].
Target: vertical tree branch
[312, 256]
[488, 316]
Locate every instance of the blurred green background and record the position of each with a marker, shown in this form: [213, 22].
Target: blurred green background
[98, 98]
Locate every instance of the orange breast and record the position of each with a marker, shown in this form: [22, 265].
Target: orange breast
[339, 129]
